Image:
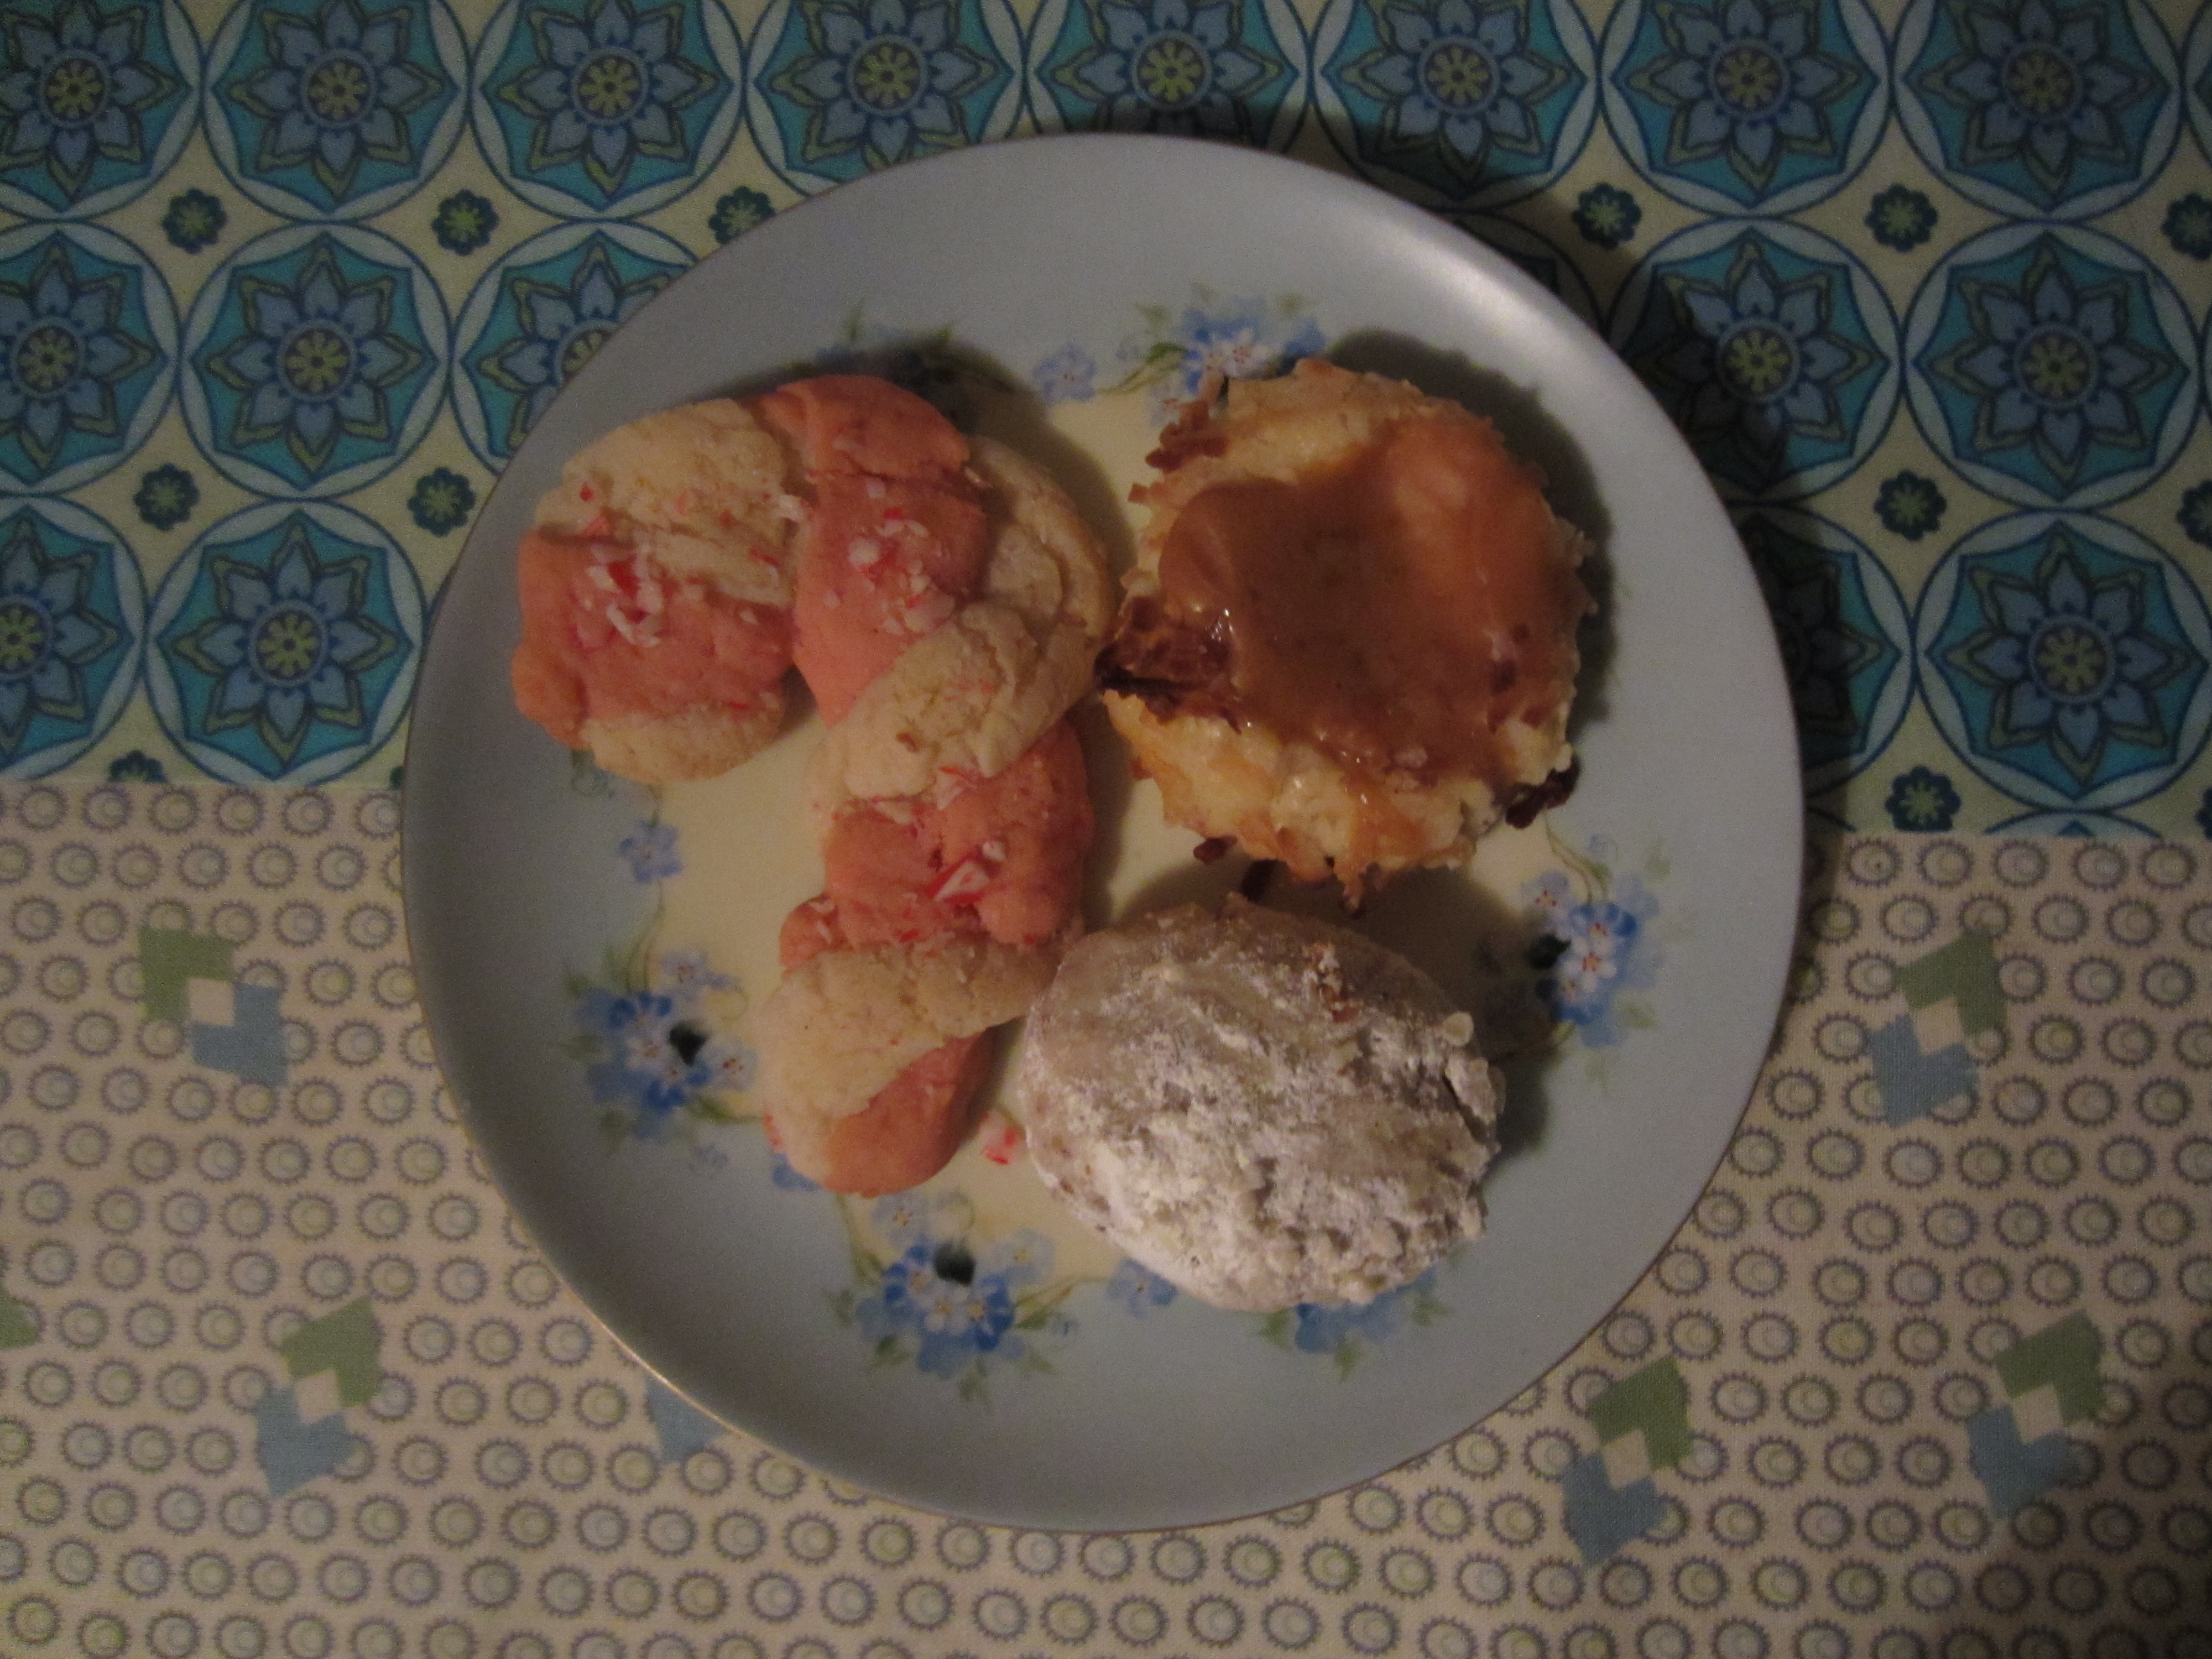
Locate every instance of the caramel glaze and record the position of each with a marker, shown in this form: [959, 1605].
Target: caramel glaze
[1396, 610]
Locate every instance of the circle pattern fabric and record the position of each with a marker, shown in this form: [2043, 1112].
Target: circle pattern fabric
[1897, 272]
[1922, 1374]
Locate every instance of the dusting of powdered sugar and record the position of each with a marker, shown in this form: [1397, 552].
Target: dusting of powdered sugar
[1262, 1109]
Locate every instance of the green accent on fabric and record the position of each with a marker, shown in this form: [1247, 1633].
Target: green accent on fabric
[17, 1328]
[2064, 1356]
[1655, 1400]
[346, 1342]
[1966, 969]
[167, 957]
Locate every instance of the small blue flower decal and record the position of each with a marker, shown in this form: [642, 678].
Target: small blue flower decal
[76, 359]
[1922, 800]
[331, 103]
[193, 220]
[861, 84]
[1177, 352]
[137, 767]
[63, 635]
[87, 97]
[948, 1303]
[1910, 505]
[1138, 1288]
[650, 851]
[1346, 1332]
[316, 365]
[464, 223]
[2069, 659]
[2056, 372]
[2188, 226]
[441, 500]
[1762, 356]
[658, 1060]
[738, 212]
[553, 314]
[1745, 98]
[2039, 102]
[1607, 216]
[1602, 951]
[1211, 69]
[1460, 94]
[289, 646]
[166, 497]
[1901, 219]
[1065, 377]
[2195, 517]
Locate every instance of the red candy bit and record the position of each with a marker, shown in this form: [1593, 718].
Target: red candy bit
[968, 880]
[1001, 1138]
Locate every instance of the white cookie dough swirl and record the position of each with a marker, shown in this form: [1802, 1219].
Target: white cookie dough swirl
[950, 601]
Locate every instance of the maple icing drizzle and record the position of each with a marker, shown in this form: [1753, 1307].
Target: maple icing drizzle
[1396, 609]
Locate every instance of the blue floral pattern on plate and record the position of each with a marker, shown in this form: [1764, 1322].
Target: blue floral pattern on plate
[537, 316]
[2066, 659]
[655, 1031]
[285, 643]
[1771, 348]
[72, 615]
[846, 86]
[1846, 640]
[95, 102]
[1346, 1333]
[585, 106]
[954, 1303]
[1176, 349]
[2038, 107]
[87, 346]
[1737, 104]
[1469, 103]
[336, 108]
[316, 360]
[2051, 367]
[1216, 69]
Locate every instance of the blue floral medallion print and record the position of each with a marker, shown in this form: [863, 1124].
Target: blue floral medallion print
[2051, 367]
[850, 86]
[1846, 640]
[1771, 348]
[87, 353]
[1471, 103]
[584, 106]
[316, 358]
[1206, 68]
[336, 108]
[1737, 104]
[284, 644]
[72, 614]
[2065, 659]
[2040, 108]
[538, 316]
[95, 101]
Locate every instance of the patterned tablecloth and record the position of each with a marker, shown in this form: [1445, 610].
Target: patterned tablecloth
[284, 282]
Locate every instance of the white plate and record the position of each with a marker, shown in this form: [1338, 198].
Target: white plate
[1104, 1407]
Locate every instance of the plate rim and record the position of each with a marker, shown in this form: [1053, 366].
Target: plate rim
[442, 1007]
